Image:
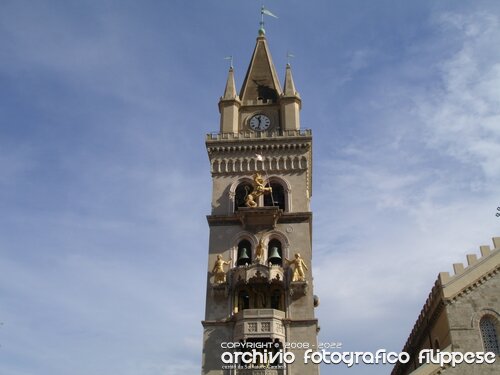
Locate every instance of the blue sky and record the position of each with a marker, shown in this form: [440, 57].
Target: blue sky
[104, 182]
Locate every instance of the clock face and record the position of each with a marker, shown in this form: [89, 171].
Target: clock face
[259, 123]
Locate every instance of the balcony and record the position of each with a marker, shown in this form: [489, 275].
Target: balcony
[303, 133]
[259, 323]
[258, 273]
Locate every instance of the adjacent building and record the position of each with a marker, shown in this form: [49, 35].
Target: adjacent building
[461, 314]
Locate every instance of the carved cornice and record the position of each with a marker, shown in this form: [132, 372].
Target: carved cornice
[286, 135]
[285, 218]
[258, 145]
[300, 322]
[216, 323]
[247, 144]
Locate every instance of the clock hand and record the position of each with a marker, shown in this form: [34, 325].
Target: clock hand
[260, 123]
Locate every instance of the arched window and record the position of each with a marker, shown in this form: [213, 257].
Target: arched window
[277, 198]
[240, 194]
[244, 253]
[274, 252]
[489, 334]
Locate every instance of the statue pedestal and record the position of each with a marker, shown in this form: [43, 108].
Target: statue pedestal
[265, 217]
[298, 289]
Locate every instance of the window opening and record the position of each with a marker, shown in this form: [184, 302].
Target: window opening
[244, 253]
[278, 196]
[489, 335]
[241, 192]
[275, 254]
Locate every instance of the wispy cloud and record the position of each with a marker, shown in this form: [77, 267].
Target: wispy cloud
[462, 114]
[411, 198]
[105, 180]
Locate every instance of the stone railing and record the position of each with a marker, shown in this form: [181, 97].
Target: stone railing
[259, 323]
[258, 135]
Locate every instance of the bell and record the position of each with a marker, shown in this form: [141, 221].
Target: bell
[274, 256]
[243, 257]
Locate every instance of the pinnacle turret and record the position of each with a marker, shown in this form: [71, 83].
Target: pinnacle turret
[230, 90]
[229, 105]
[289, 87]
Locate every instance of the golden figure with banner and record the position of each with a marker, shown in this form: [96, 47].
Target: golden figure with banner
[218, 271]
[298, 270]
[259, 188]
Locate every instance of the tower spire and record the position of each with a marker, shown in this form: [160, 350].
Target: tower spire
[290, 102]
[289, 86]
[230, 90]
[261, 81]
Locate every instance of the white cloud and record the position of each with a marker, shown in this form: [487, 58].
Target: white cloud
[98, 268]
[462, 114]
[395, 206]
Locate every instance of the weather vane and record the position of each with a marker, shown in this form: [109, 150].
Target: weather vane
[289, 56]
[230, 58]
[264, 11]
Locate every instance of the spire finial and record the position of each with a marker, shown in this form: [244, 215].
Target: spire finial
[230, 58]
[289, 56]
[263, 11]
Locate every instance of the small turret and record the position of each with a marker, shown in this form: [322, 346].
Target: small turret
[290, 103]
[229, 105]
[230, 91]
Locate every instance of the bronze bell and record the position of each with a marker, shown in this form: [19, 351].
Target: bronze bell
[243, 257]
[274, 256]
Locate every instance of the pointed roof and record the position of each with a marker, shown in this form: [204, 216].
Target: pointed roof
[261, 80]
[230, 90]
[289, 89]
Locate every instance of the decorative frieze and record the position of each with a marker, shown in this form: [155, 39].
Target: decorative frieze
[249, 164]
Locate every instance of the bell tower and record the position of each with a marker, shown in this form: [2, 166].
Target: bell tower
[259, 296]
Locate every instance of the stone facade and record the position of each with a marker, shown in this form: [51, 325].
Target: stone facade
[258, 296]
[452, 316]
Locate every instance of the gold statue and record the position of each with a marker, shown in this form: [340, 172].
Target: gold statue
[259, 188]
[259, 251]
[299, 265]
[218, 271]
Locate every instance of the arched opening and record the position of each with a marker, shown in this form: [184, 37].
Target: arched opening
[275, 252]
[489, 334]
[243, 300]
[277, 198]
[241, 192]
[244, 253]
[277, 299]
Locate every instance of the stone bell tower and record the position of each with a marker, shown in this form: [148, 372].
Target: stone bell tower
[259, 277]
